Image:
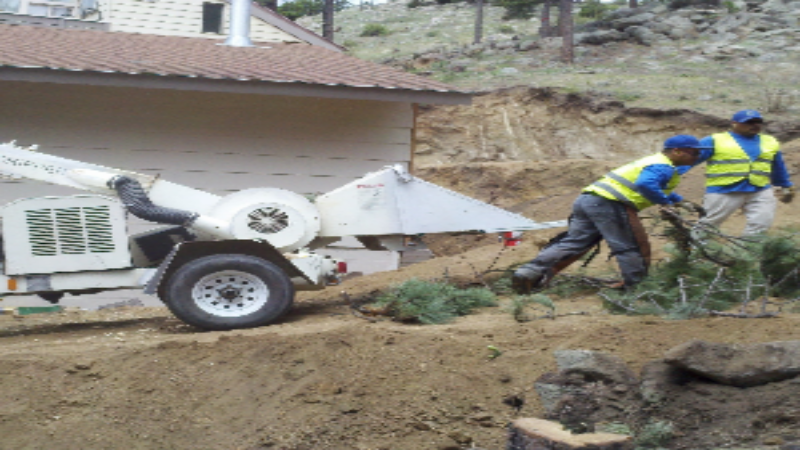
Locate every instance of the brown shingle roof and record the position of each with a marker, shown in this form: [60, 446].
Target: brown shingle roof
[100, 51]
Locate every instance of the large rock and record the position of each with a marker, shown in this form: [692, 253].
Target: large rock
[600, 37]
[741, 365]
[595, 366]
[637, 20]
[590, 387]
[642, 35]
[657, 379]
[680, 27]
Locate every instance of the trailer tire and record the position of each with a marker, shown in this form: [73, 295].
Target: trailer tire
[229, 291]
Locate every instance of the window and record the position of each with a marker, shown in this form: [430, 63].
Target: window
[46, 8]
[212, 17]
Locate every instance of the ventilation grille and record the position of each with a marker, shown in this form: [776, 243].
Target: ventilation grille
[70, 231]
[267, 220]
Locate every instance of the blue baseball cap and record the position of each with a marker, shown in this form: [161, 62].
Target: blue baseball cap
[682, 141]
[747, 115]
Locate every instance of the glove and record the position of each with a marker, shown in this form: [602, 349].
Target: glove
[691, 207]
[786, 195]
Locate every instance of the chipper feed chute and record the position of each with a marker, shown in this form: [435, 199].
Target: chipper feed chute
[392, 202]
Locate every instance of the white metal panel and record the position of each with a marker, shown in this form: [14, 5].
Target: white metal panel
[389, 202]
[64, 234]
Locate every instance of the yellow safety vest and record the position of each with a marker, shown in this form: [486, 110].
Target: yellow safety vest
[730, 163]
[619, 184]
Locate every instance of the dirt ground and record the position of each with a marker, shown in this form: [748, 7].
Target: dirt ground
[325, 379]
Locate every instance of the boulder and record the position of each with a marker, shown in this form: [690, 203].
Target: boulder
[740, 365]
[642, 35]
[595, 366]
[659, 27]
[679, 27]
[600, 37]
[658, 378]
[590, 387]
[637, 20]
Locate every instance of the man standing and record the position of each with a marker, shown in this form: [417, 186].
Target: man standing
[607, 209]
[742, 163]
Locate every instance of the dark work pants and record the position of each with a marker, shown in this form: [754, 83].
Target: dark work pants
[594, 217]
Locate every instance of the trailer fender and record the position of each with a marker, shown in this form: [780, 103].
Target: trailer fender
[187, 251]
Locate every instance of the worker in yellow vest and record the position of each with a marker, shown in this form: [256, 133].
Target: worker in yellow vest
[742, 166]
[607, 209]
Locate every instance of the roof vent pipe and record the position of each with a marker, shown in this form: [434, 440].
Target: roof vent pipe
[240, 24]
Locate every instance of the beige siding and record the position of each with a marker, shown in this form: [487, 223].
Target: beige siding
[178, 18]
[216, 142]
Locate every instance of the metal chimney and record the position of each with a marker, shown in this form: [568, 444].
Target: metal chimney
[240, 24]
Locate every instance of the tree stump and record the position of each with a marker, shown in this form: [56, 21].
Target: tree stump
[539, 434]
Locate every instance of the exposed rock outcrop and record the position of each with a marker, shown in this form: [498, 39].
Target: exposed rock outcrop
[741, 365]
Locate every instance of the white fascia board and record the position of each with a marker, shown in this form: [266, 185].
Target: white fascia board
[292, 89]
[288, 26]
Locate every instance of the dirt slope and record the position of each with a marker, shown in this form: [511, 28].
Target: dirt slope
[521, 124]
[325, 379]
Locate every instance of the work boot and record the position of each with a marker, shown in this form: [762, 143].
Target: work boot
[526, 278]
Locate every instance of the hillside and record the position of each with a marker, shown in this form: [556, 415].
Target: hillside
[710, 61]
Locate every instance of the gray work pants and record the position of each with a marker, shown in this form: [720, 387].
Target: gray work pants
[593, 218]
[759, 209]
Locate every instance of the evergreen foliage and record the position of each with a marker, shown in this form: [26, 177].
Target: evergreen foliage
[594, 9]
[714, 276]
[432, 302]
[518, 9]
[298, 8]
[522, 307]
[374, 29]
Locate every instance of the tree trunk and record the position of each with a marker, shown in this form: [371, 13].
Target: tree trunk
[546, 30]
[561, 17]
[633, 3]
[567, 50]
[478, 21]
[327, 20]
[538, 434]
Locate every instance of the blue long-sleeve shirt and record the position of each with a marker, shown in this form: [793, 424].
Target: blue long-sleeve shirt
[751, 146]
[654, 179]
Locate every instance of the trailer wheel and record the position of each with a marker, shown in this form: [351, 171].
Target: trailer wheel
[229, 291]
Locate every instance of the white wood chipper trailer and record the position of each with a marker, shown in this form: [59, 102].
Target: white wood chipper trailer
[217, 262]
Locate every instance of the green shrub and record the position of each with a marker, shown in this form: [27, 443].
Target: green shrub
[506, 29]
[655, 434]
[298, 8]
[523, 307]
[431, 302]
[517, 9]
[594, 9]
[373, 30]
[433, 33]
[730, 6]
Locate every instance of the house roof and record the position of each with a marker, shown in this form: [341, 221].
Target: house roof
[140, 55]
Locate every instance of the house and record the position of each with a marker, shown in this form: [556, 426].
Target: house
[292, 115]
[189, 18]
